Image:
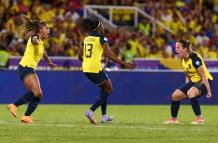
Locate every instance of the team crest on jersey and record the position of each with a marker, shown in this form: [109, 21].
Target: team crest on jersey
[197, 63]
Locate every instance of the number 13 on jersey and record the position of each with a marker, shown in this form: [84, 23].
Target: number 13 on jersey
[88, 50]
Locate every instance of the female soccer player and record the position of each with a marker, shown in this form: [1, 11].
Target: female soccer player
[94, 45]
[37, 31]
[198, 81]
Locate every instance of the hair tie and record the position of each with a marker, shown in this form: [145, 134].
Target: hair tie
[97, 26]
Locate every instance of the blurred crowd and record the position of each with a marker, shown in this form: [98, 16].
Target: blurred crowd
[193, 20]
[60, 15]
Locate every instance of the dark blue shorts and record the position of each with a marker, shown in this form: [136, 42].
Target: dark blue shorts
[199, 85]
[97, 78]
[24, 72]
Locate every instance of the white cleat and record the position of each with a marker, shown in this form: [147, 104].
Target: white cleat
[106, 118]
[91, 117]
[198, 121]
[172, 121]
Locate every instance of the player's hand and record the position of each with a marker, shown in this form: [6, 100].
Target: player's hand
[130, 66]
[52, 65]
[209, 95]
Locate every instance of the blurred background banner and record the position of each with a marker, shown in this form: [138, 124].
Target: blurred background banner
[67, 63]
[72, 87]
[135, 28]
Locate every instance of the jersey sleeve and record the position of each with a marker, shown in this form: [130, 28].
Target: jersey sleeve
[103, 40]
[197, 62]
[34, 39]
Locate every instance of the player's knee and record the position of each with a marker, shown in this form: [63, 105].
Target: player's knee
[38, 93]
[190, 94]
[175, 96]
[110, 91]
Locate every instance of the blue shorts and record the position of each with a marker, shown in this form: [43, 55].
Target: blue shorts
[24, 72]
[199, 85]
[97, 78]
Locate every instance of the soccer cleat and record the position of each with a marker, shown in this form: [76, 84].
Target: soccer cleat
[90, 116]
[13, 109]
[198, 121]
[26, 119]
[172, 121]
[106, 118]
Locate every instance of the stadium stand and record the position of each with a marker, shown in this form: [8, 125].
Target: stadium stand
[189, 19]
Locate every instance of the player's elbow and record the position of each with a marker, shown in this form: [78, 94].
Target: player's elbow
[110, 56]
[80, 58]
[106, 55]
[203, 75]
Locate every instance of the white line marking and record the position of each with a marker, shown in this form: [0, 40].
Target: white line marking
[117, 122]
[48, 124]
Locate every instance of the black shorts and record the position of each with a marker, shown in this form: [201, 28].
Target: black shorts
[97, 78]
[24, 72]
[199, 85]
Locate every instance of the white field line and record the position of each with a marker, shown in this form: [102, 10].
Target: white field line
[117, 122]
[48, 124]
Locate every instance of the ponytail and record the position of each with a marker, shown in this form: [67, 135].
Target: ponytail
[89, 25]
[31, 27]
[85, 26]
[186, 44]
[95, 25]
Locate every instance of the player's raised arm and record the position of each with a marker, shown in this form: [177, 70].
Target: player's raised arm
[108, 53]
[47, 59]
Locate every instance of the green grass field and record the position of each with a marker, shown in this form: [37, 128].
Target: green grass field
[132, 124]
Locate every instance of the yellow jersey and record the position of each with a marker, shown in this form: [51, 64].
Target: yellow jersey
[190, 67]
[92, 52]
[33, 54]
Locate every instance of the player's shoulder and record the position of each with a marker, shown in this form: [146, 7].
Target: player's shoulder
[95, 34]
[196, 59]
[92, 36]
[35, 36]
[34, 39]
[195, 56]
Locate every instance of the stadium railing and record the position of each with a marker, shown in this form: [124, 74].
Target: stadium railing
[89, 11]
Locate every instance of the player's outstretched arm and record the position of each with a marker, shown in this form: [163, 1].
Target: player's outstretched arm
[50, 63]
[80, 55]
[108, 53]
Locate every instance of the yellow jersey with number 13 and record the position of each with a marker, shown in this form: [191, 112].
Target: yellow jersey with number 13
[92, 53]
[33, 54]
